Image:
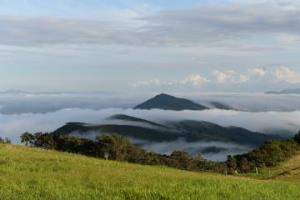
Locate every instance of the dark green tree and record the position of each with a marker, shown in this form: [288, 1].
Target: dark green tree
[231, 164]
[27, 138]
[182, 160]
[5, 141]
[114, 147]
[244, 165]
[297, 138]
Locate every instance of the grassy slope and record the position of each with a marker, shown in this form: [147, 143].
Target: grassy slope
[27, 173]
[289, 171]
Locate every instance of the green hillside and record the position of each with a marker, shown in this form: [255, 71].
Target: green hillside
[148, 131]
[27, 173]
[288, 171]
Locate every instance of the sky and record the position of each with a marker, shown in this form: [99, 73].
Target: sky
[149, 46]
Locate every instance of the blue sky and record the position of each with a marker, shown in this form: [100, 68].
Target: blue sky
[152, 46]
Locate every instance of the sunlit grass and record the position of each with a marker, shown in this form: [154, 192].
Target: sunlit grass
[27, 173]
[289, 171]
[286, 171]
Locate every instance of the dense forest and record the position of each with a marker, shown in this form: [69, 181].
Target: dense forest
[115, 147]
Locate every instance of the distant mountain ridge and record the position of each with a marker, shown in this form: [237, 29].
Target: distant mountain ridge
[286, 91]
[189, 130]
[133, 119]
[221, 106]
[168, 102]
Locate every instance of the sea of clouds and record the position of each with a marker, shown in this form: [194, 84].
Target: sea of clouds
[271, 114]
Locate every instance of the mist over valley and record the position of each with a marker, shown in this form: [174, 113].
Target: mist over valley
[270, 116]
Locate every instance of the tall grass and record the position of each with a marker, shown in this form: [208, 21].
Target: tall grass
[30, 174]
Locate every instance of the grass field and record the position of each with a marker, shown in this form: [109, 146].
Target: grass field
[288, 171]
[31, 174]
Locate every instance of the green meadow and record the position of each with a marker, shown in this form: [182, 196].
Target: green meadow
[286, 171]
[29, 174]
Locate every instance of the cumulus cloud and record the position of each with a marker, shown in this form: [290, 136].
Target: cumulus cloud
[230, 76]
[286, 74]
[221, 77]
[196, 80]
[192, 80]
[282, 73]
[258, 72]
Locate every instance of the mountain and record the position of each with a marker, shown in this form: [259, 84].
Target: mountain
[201, 130]
[221, 106]
[286, 91]
[149, 132]
[168, 102]
[212, 141]
[133, 119]
[138, 129]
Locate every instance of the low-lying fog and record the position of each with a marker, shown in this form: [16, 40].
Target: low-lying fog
[14, 102]
[20, 112]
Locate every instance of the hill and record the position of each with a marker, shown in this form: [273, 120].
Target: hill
[212, 141]
[168, 102]
[28, 173]
[207, 131]
[221, 106]
[133, 119]
[289, 170]
[190, 131]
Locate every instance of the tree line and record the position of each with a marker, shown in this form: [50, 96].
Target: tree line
[270, 154]
[119, 148]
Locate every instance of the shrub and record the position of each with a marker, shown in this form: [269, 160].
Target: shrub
[5, 141]
[268, 155]
[297, 138]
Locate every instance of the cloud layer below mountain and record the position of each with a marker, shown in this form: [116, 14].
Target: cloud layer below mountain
[13, 125]
[34, 112]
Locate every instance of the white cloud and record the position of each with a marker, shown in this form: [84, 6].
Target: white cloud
[195, 80]
[192, 80]
[243, 78]
[286, 74]
[230, 76]
[13, 126]
[40, 114]
[202, 25]
[221, 77]
[258, 72]
[146, 83]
